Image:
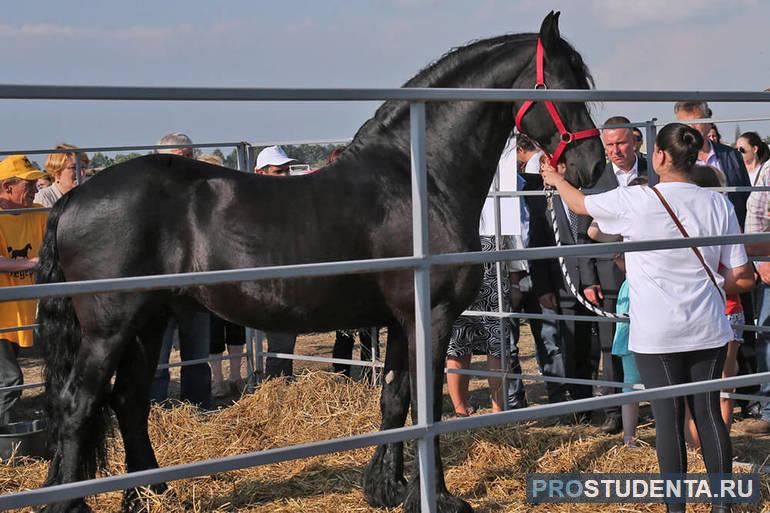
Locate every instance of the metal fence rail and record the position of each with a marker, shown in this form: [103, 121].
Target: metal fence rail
[67, 491]
[420, 262]
[156, 282]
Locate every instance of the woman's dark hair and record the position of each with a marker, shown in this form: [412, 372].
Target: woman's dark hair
[716, 131]
[754, 140]
[682, 143]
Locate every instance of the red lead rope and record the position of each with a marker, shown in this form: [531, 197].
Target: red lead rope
[566, 136]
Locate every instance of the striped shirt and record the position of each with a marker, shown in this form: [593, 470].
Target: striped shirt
[758, 204]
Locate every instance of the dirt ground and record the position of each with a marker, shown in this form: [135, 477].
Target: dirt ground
[747, 449]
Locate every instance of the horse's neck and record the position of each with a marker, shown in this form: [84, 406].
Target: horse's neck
[470, 137]
[464, 174]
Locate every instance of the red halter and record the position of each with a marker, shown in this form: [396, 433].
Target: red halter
[566, 136]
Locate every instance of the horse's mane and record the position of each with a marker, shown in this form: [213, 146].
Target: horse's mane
[447, 71]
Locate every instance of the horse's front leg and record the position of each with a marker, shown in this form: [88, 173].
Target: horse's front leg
[383, 480]
[446, 502]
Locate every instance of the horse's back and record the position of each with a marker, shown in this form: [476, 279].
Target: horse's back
[163, 214]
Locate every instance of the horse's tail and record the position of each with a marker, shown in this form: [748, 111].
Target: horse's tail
[59, 337]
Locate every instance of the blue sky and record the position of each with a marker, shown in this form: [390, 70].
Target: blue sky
[646, 44]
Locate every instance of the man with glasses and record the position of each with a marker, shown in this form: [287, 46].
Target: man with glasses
[21, 236]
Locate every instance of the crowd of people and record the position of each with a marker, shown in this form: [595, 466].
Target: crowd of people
[686, 306]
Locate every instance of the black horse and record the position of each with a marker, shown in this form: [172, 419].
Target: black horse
[163, 214]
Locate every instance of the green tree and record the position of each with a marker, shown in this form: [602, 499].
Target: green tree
[101, 161]
[122, 158]
[231, 160]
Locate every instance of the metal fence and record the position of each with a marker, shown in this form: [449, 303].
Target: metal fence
[425, 430]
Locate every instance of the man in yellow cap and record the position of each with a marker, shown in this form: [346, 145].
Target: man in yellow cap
[21, 236]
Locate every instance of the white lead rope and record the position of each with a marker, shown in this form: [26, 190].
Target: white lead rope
[583, 301]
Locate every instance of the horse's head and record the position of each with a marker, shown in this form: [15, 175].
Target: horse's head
[559, 66]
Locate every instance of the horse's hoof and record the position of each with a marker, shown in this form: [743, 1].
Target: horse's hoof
[446, 502]
[384, 486]
[132, 503]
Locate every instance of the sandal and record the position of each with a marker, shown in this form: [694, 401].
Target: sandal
[470, 410]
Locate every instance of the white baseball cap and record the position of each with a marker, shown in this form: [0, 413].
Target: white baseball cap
[272, 156]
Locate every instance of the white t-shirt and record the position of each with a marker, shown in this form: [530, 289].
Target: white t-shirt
[674, 307]
[511, 219]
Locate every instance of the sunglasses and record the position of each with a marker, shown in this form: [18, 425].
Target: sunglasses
[638, 138]
[741, 149]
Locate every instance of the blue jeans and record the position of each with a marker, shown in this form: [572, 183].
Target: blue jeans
[762, 308]
[10, 375]
[194, 343]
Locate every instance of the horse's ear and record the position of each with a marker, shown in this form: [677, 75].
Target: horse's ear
[549, 30]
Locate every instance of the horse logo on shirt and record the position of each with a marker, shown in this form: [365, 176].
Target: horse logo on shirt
[19, 253]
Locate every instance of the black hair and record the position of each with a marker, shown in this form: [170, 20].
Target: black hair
[525, 143]
[754, 140]
[682, 143]
[715, 129]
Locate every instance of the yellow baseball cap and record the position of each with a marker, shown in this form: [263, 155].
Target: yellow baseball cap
[19, 166]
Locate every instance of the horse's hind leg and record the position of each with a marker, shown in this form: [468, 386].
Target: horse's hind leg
[131, 403]
[80, 433]
[383, 480]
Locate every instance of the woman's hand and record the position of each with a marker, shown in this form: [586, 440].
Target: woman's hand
[551, 177]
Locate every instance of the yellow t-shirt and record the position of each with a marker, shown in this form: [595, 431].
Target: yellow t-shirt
[21, 236]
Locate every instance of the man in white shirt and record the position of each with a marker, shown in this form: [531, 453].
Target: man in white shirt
[528, 154]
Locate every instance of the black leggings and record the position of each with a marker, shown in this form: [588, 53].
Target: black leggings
[657, 370]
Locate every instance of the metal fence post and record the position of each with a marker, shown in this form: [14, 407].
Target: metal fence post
[651, 134]
[254, 365]
[78, 170]
[505, 352]
[374, 337]
[426, 451]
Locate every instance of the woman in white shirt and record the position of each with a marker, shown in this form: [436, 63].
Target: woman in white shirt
[678, 330]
